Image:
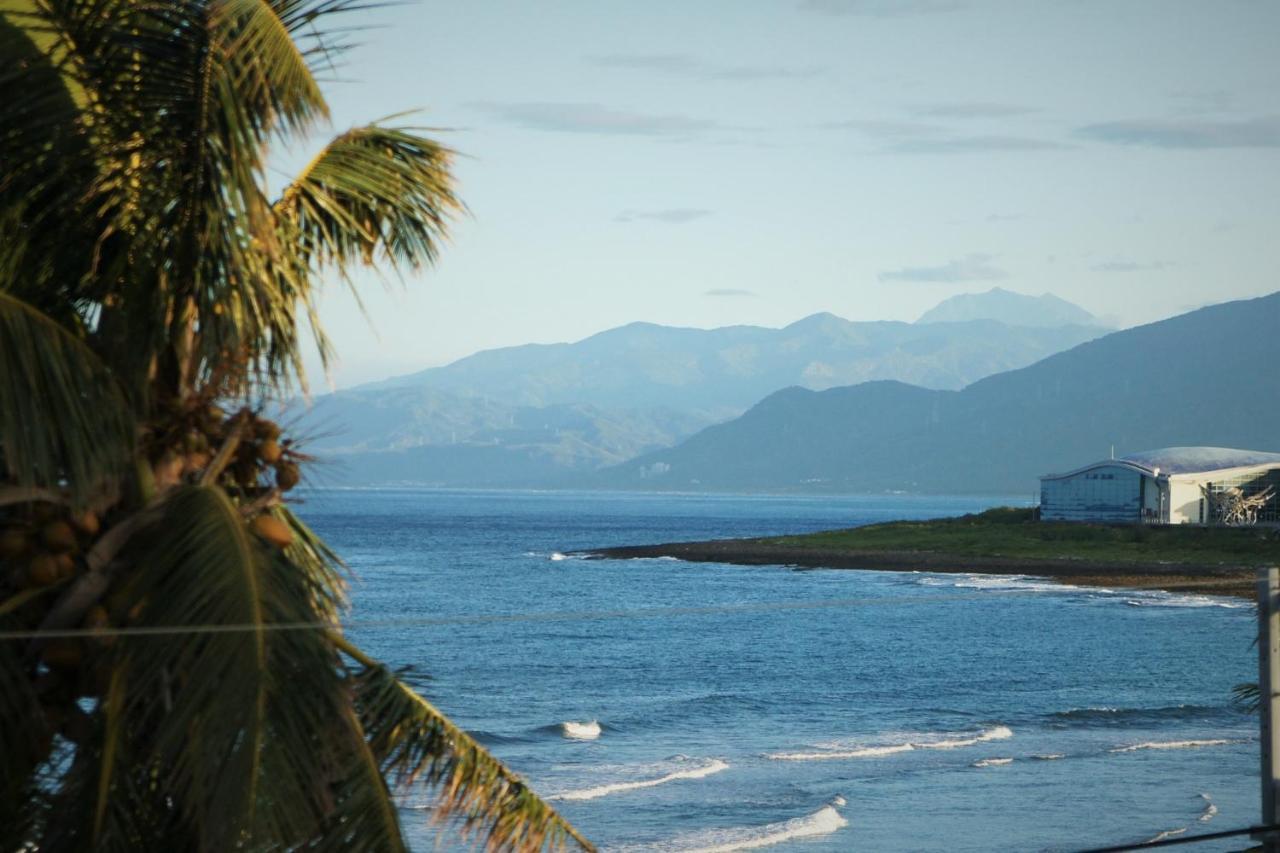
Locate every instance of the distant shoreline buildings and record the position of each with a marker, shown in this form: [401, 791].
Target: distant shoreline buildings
[1173, 485]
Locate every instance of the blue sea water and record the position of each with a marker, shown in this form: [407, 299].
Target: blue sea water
[798, 710]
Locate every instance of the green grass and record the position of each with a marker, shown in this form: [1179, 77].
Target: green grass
[1013, 532]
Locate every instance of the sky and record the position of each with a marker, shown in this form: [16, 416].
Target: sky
[727, 162]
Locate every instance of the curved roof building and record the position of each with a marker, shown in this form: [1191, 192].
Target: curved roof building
[1165, 486]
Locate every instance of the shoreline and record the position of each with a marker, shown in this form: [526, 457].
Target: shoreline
[1237, 581]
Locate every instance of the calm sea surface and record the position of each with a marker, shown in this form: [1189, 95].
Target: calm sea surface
[919, 712]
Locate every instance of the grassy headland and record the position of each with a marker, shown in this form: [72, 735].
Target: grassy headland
[1011, 532]
[1011, 541]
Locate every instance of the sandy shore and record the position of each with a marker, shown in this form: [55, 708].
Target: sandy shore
[1216, 579]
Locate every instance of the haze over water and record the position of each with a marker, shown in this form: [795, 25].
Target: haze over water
[921, 712]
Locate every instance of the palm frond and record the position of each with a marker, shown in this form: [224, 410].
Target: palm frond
[1247, 697]
[196, 708]
[63, 420]
[415, 743]
[372, 190]
[22, 731]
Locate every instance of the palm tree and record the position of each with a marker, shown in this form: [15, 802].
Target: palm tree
[173, 675]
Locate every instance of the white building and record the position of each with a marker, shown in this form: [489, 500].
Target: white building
[1160, 486]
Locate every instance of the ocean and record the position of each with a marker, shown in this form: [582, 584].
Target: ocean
[816, 710]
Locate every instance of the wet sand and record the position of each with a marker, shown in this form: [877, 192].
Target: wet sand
[1238, 581]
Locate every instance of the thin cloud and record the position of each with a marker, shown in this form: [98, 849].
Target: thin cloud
[1005, 217]
[671, 215]
[685, 65]
[887, 129]
[880, 8]
[1129, 266]
[974, 145]
[914, 137]
[974, 267]
[728, 291]
[972, 109]
[565, 117]
[1262, 132]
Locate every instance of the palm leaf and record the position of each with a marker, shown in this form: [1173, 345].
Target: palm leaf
[415, 743]
[63, 419]
[373, 189]
[196, 708]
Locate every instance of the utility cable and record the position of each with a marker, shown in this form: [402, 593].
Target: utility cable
[1187, 839]
[562, 615]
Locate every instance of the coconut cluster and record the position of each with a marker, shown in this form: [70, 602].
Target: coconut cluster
[43, 544]
[183, 446]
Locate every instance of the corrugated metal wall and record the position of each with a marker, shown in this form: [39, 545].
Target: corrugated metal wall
[1105, 493]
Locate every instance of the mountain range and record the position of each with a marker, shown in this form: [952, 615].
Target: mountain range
[1208, 377]
[540, 414]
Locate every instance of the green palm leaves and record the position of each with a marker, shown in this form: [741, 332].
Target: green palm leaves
[173, 673]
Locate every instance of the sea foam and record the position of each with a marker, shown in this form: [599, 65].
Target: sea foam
[589, 730]
[824, 821]
[946, 741]
[700, 772]
[1175, 744]
[992, 762]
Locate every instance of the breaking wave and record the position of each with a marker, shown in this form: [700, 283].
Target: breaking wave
[992, 762]
[589, 730]
[1209, 810]
[700, 772]
[1175, 744]
[946, 742]
[824, 821]
[1135, 716]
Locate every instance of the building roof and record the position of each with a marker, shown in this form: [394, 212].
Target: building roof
[1195, 460]
[1182, 460]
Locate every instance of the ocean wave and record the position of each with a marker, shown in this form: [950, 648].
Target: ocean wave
[1048, 756]
[1167, 834]
[589, 730]
[1104, 716]
[1209, 810]
[824, 821]
[992, 762]
[1170, 599]
[936, 741]
[1175, 744]
[713, 766]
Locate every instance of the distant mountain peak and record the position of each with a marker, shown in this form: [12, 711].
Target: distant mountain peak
[1011, 308]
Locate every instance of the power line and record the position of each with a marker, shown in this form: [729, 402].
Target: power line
[563, 615]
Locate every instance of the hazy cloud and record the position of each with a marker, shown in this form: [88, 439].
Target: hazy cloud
[562, 117]
[914, 137]
[1128, 266]
[878, 129]
[974, 144]
[672, 215]
[973, 267]
[973, 109]
[880, 8]
[728, 291]
[1005, 217]
[685, 65]
[1261, 132]
[1193, 102]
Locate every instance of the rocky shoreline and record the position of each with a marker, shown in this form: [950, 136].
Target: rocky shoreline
[1235, 581]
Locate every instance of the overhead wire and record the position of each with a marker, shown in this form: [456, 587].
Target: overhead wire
[569, 615]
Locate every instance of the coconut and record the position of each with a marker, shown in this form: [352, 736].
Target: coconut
[43, 570]
[13, 542]
[58, 536]
[287, 475]
[273, 530]
[266, 430]
[269, 451]
[66, 565]
[86, 522]
[196, 462]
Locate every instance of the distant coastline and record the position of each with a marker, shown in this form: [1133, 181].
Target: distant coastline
[1006, 542]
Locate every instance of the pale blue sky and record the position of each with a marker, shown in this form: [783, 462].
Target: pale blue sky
[710, 163]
